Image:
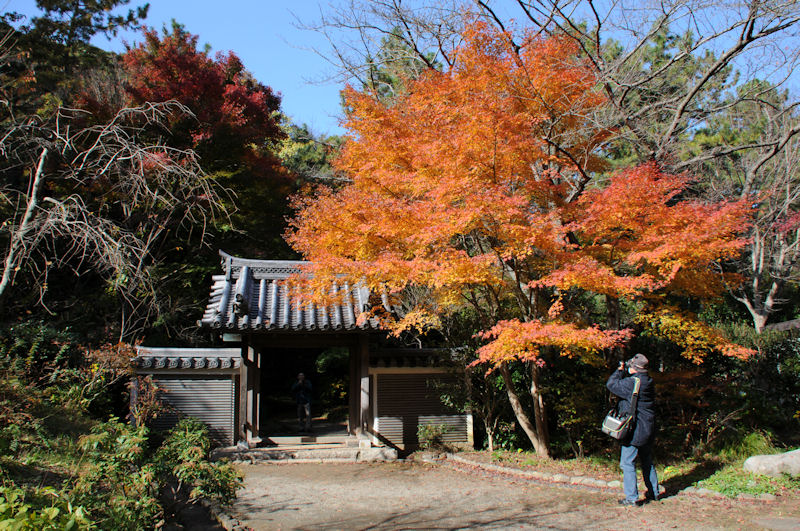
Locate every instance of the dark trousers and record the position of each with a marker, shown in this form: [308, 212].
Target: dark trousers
[304, 416]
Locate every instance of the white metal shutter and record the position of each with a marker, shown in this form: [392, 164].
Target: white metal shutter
[208, 399]
[406, 401]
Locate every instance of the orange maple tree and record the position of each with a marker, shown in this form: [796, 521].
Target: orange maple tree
[471, 189]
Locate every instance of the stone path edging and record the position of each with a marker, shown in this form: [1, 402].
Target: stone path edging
[219, 514]
[540, 476]
[594, 482]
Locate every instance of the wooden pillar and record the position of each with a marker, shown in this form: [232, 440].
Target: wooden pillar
[249, 395]
[363, 375]
[253, 395]
[244, 378]
[354, 391]
[238, 433]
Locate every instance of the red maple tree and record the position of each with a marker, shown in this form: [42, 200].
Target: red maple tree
[234, 113]
[470, 190]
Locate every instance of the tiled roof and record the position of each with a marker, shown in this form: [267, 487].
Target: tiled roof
[250, 296]
[155, 358]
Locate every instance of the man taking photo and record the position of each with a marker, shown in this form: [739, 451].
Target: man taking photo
[639, 443]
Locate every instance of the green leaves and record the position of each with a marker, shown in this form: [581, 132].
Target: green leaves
[20, 511]
[185, 455]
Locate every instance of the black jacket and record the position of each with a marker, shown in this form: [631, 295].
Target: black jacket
[622, 386]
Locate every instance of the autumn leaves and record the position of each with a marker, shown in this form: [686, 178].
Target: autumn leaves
[483, 186]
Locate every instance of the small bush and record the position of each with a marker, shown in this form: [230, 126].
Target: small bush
[507, 436]
[119, 487]
[35, 350]
[756, 443]
[41, 509]
[431, 436]
[185, 455]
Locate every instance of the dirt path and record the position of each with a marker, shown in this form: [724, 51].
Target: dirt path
[424, 496]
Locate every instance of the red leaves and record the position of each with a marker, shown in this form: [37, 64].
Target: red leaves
[223, 96]
[637, 236]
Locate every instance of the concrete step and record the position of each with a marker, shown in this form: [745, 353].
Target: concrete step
[305, 453]
[281, 440]
[295, 447]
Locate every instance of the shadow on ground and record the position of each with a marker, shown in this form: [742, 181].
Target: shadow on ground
[697, 473]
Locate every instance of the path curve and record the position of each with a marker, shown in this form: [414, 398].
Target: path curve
[404, 495]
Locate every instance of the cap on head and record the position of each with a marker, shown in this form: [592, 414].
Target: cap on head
[639, 362]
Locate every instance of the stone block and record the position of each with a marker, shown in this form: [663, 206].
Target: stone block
[377, 454]
[774, 465]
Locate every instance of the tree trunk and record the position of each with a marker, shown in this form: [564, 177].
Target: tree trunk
[614, 317]
[759, 321]
[539, 410]
[613, 322]
[539, 444]
[489, 434]
[16, 246]
[761, 305]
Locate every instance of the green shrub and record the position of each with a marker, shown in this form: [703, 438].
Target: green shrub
[184, 455]
[119, 487]
[508, 437]
[34, 350]
[756, 443]
[431, 436]
[42, 509]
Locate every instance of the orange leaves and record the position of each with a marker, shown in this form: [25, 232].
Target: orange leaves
[589, 274]
[638, 215]
[517, 340]
[459, 192]
[480, 126]
[696, 338]
[443, 180]
[637, 237]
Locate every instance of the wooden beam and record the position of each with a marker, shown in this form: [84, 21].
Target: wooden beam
[253, 395]
[354, 395]
[244, 377]
[278, 340]
[363, 374]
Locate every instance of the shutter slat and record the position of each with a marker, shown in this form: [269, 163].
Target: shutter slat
[406, 401]
[210, 400]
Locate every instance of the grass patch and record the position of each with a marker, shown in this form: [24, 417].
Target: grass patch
[720, 471]
[600, 466]
[731, 481]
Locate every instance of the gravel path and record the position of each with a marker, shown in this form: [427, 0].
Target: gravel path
[405, 495]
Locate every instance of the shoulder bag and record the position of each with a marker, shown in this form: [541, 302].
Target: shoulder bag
[618, 424]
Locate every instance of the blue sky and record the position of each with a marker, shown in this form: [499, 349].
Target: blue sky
[262, 34]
